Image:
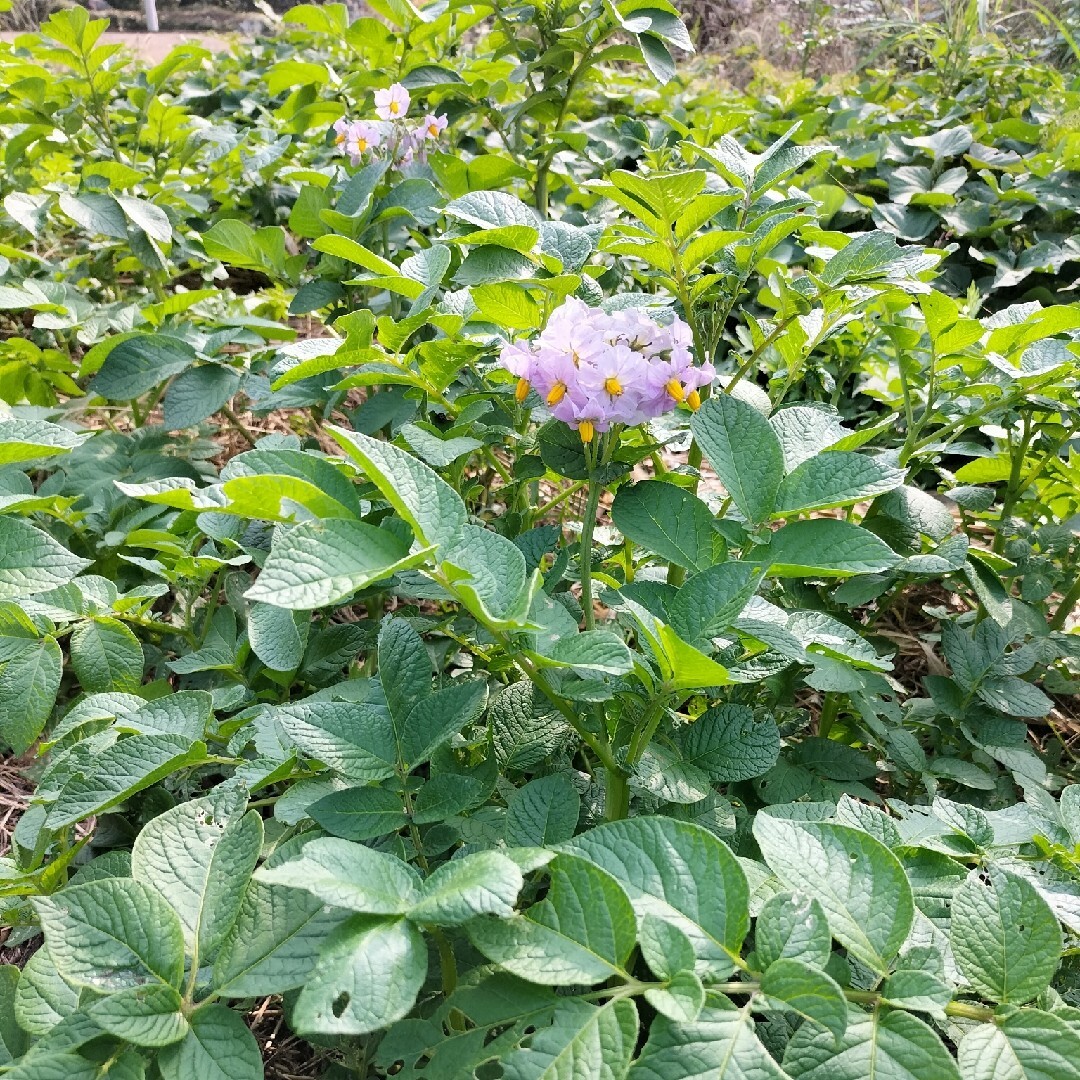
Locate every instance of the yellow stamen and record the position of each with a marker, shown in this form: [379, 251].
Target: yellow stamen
[613, 386]
[433, 130]
[586, 431]
[521, 391]
[395, 108]
[577, 359]
[675, 389]
[693, 399]
[361, 145]
[340, 139]
[558, 392]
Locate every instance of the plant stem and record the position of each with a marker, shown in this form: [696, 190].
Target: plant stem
[830, 709]
[587, 525]
[1065, 608]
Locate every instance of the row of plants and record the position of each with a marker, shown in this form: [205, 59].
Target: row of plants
[546, 565]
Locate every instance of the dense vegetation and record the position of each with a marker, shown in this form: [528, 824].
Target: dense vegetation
[400, 620]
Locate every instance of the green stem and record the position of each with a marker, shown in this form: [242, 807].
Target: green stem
[830, 709]
[588, 524]
[1014, 489]
[1066, 607]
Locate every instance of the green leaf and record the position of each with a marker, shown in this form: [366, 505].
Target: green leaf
[317, 563]
[238, 244]
[1028, 1045]
[139, 363]
[54, 1067]
[882, 1046]
[858, 881]
[31, 561]
[368, 976]
[359, 813]
[198, 856]
[542, 813]
[1006, 939]
[668, 521]
[491, 210]
[728, 744]
[483, 883]
[31, 440]
[709, 602]
[112, 934]
[28, 688]
[807, 991]
[219, 1046]
[745, 452]
[349, 876]
[722, 1042]
[598, 652]
[582, 1040]
[198, 393]
[274, 942]
[432, 721]
[434, 510]
[835, 478]
[793, 926]
[682, 999]
[507, 304]
[681, 873]
[581, 933]
[405, 669]
[43, 998]
[106, 655]
[132, 764]
[825, 547]
[143, 1015]
[354, 738]
[490, 576]
[13, 1040]
[278, 636]
[917, 991]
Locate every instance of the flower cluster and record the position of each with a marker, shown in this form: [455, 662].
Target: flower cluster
[391, 136]
[596, 369]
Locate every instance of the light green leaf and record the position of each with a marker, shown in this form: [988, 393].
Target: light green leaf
[351, 876]
[13, 1039]
[198, 393]
[917, 991]
[112, 934]
[681, 873]
[721, 1043]
[668, 521]
[106, 655]
[1006, 939]
[139, 363]
[219, 1046]
[359, 813]
[745, 452]
[1029, 1045]
[581, 933]
[198, 856]
[31, 561]
[728, 744]
[274, 942]
[130, 765]
[30, 440]
[277, 635]
[354, 738]
[825, 547]
[682, 999]
[43, 998]
[593, 651]
[665, 948]
[54, 1067]
[143, 1015]
[881, 1046]
[835, 478]
[368, 976]
[792, 925]
[858, 881]
[807, 991]
[583, 1040]
[483, 883]
[707, 604]
[434, 510]
[317, 563]
[490, 575]
[543, 812]
[28, 688]
[405, 668]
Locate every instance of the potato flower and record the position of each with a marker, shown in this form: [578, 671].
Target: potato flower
[595, 369]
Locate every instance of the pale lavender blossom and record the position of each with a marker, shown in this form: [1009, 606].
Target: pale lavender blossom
[433, 126]
[595, 370]
[392, 103]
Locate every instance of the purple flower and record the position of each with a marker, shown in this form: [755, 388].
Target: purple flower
[392, 104]
[595, 369]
